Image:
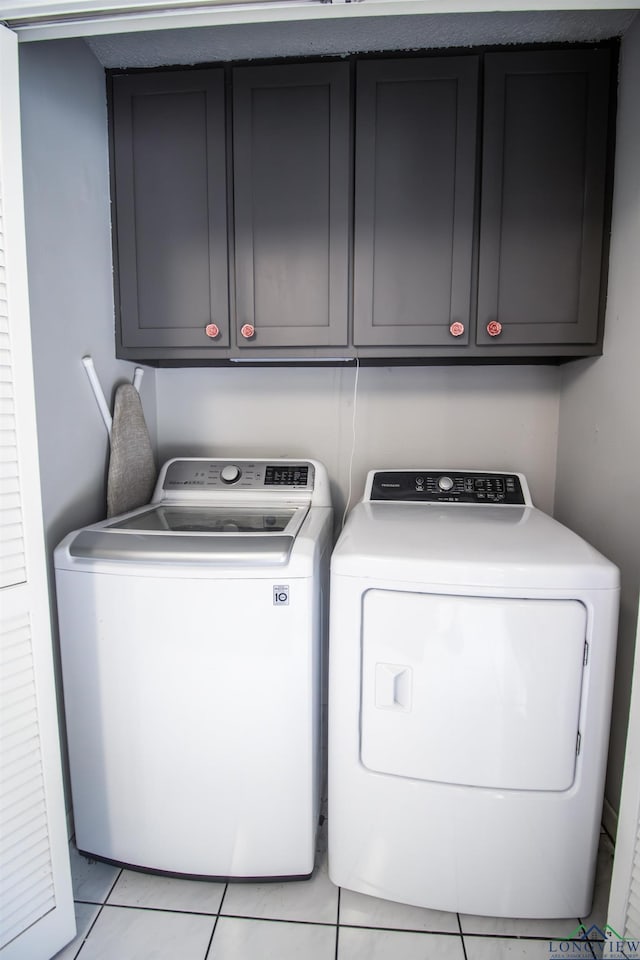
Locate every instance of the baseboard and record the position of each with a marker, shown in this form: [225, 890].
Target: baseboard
[609, 819]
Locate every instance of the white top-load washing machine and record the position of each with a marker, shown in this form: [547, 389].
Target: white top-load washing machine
[472, 648]
[191, 633]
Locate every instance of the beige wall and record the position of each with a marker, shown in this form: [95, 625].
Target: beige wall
[68, 226]
[504, 418]
[599, 437]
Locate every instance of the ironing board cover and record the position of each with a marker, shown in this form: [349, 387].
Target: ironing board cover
[132, 471]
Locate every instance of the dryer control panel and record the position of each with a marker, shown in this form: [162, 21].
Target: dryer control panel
[448, 486]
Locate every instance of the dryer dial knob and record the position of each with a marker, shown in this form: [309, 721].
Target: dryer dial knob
[445, 484]
[230, 473]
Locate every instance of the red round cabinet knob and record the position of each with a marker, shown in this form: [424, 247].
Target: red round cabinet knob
[494, 328]
[212, 330]
[247, 330]
[456, 329]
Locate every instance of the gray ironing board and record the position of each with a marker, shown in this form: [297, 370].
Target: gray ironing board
[132, 470]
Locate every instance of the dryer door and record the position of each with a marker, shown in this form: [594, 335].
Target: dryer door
[479, 691]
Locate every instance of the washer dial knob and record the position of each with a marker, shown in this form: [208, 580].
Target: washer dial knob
[445, 484]
[230, 473]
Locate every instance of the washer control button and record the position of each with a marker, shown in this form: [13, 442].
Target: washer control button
[445, 484]
[230, 473]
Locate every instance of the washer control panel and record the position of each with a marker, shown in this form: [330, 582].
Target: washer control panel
[218, 475]
[447, 486]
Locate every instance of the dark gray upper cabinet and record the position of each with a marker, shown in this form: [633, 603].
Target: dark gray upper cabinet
[170, 205]
[543, 197]
[414, 201]
[291, 147]
[398, 209]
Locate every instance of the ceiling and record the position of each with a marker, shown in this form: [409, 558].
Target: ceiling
[247, 41]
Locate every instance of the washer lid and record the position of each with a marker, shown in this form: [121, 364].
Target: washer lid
[207, 518]
[491, 546]
[195, 533]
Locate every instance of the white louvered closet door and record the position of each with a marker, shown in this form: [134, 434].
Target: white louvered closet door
[624, 902]
[36, 903]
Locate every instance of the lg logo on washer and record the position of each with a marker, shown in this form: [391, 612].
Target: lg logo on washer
[281, 595]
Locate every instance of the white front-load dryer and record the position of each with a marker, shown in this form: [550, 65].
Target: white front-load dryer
[192, 633]
[472, 646]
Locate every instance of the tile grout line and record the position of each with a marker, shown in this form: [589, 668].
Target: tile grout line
[511, 936]
[422, 933]
[216, 913]
[89, 932]
[177, 910]
[98, 914]
[464, 946]
[215, 922]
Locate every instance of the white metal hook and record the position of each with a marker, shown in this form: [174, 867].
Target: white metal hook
[98, 392]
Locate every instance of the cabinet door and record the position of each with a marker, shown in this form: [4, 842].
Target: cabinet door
[543, 196]
[414, 207]
[291, 186]
[170, 191]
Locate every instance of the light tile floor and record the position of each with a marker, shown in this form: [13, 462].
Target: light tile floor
[124, 915]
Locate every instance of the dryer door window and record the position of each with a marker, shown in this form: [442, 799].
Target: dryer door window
[479, 691]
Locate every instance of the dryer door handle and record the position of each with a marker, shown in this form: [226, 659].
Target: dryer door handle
[393, 686]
